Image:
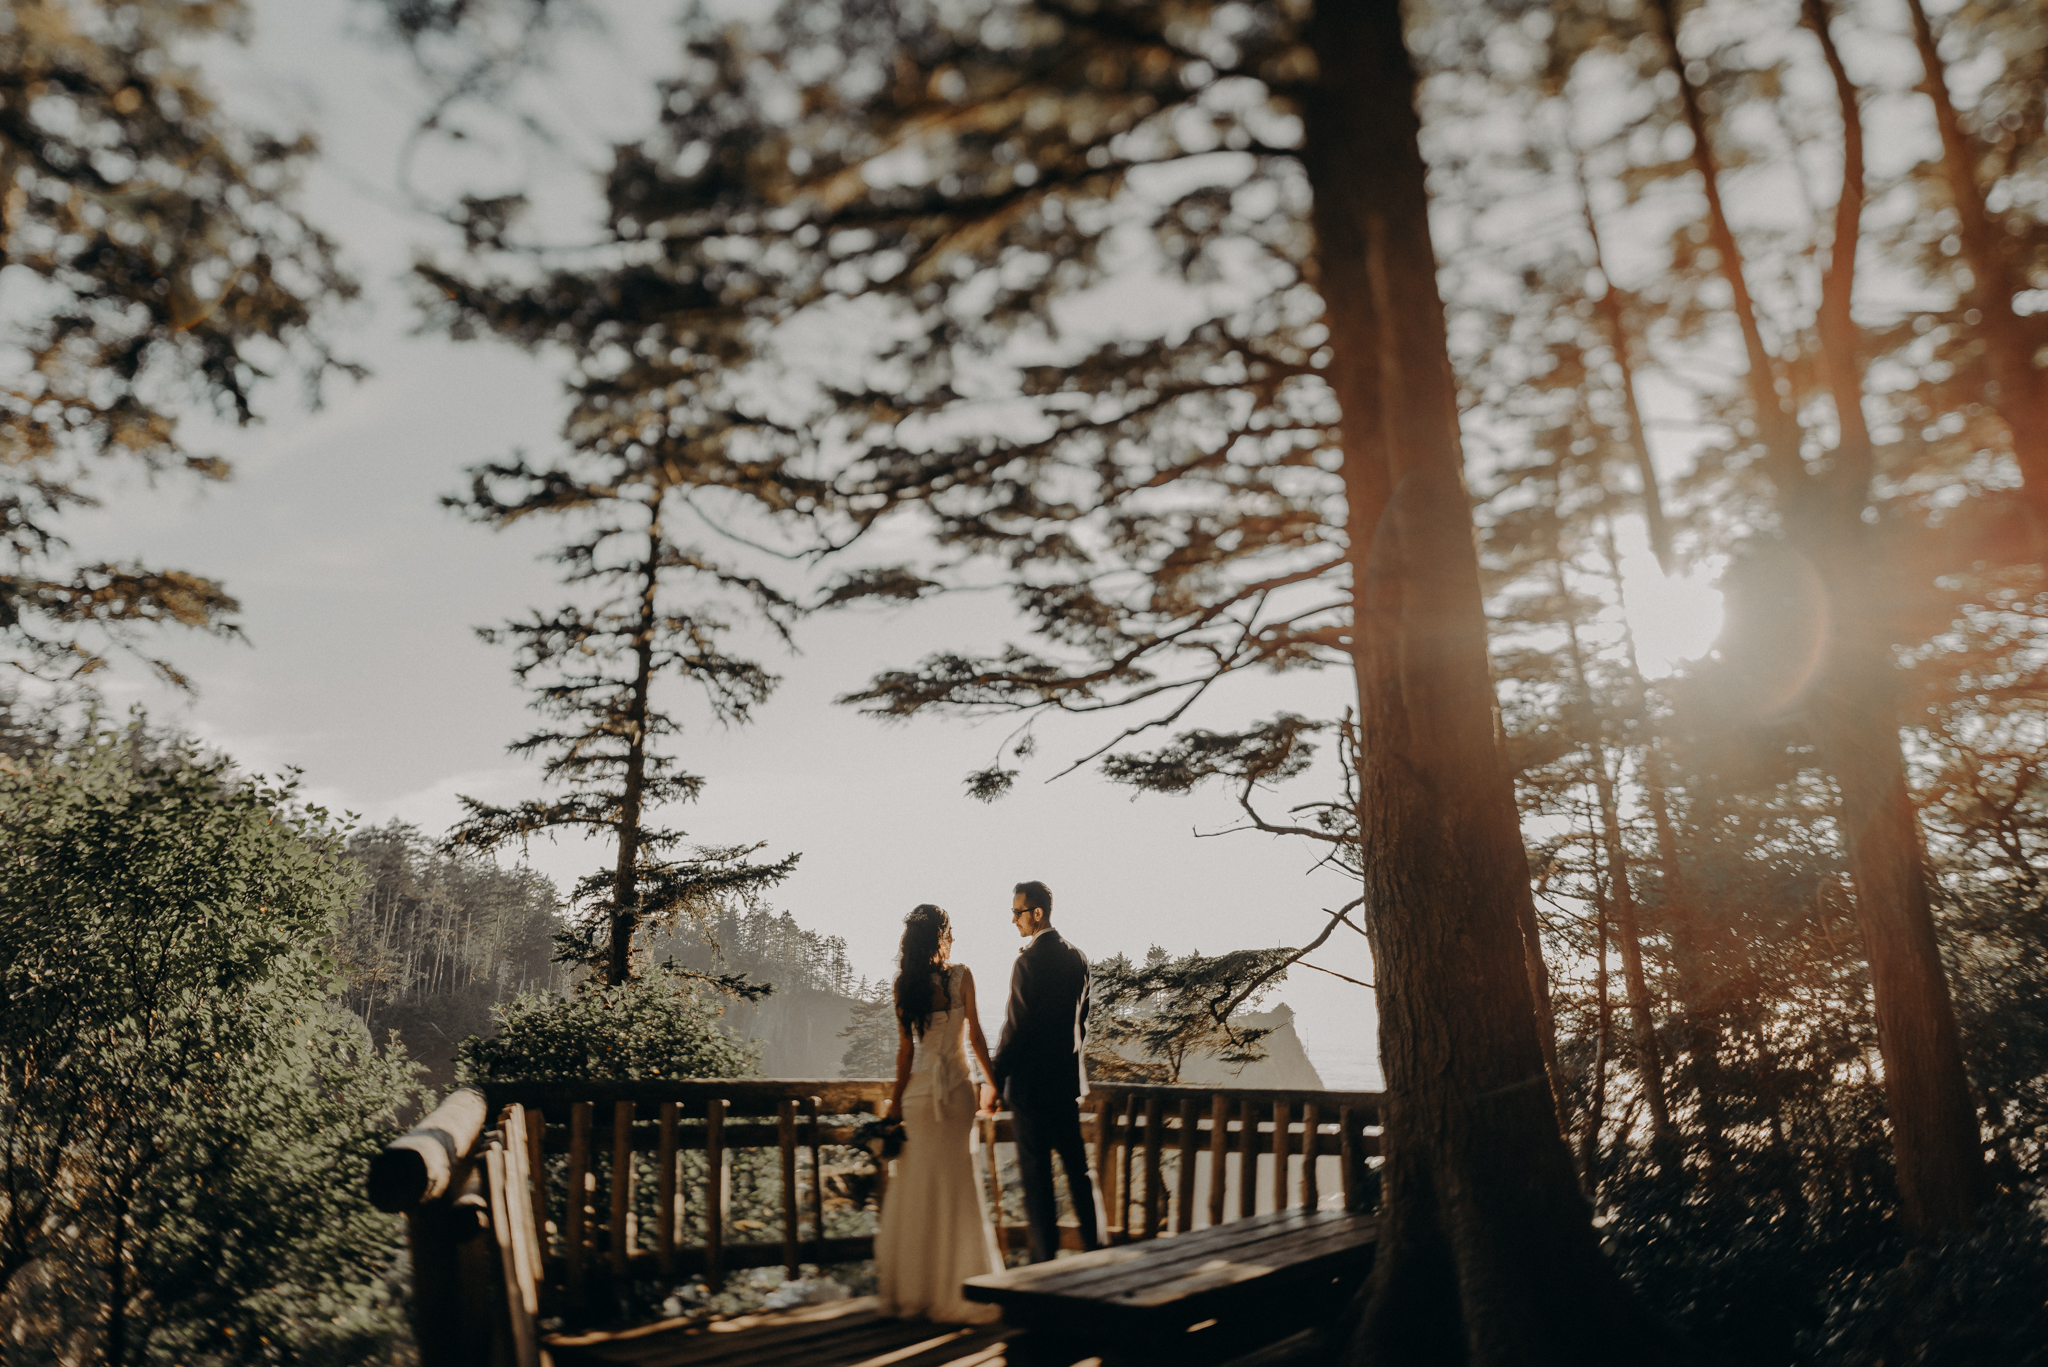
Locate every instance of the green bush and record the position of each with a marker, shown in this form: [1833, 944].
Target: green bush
[648, 1028]
[186, 1116]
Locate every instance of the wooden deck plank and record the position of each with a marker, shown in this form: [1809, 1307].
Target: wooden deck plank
[857, 1336]
[1108, 1268]
[850, 1333]
[1186, 1245]
[1109, 1284]
[1237, 1273]
[1221, 1272]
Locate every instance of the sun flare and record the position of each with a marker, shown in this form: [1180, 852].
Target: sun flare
[1674, 619]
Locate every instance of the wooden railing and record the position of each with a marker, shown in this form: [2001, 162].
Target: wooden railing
[1138, 1128]
[532, 1201]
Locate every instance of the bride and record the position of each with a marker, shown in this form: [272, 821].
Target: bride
[934, 1235]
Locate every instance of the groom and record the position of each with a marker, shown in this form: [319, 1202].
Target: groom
[1039, 1071]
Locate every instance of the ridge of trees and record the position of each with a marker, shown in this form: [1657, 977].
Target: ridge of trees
[437, 940]
[763, 946]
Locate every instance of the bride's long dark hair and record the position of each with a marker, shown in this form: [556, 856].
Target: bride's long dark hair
[917, 981]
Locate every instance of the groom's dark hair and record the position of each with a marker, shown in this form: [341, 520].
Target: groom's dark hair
[1037, 897]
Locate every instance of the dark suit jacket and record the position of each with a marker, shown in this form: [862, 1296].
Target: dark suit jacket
[1045, 1029]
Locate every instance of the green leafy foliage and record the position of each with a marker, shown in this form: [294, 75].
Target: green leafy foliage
[174, 1084]
[654, 1027]
[170, 262]
[1151, 1018]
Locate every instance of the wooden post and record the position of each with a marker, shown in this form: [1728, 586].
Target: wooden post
[995, 1182]
[714, 1193]
[1184, 1184]
[1351, 1158]
[1311, 1154]
[617, 1237]
[579, 1196]
[817, 1174]
[1126, 1188]
[785, 1137]
[419, 1165]
[450, 1323]
[1105, 1156]
[537, 1179]
[1248, 1160]
[1154, 1197]
[521, 1307]
[523, 1177]
[665, 1213]
[1279, 1155]
[1219, 1153]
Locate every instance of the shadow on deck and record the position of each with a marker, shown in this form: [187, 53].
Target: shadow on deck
[847, 1333]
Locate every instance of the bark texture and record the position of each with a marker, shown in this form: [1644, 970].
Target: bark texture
[2020, 390]
[625, 909]
[1853, 701]
[1487, 1253]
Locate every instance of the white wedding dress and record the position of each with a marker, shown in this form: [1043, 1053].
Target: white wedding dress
[935, 1233]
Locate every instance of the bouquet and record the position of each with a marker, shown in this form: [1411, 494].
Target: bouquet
[883, 1137]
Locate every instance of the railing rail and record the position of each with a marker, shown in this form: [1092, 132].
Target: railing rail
[1138, 1128]
[520, 1197]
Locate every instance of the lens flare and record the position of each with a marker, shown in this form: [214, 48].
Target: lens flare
[1674, 619]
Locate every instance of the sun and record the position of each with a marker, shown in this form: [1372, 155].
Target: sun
[1674, 619]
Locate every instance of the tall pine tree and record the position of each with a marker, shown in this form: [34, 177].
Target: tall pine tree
[595, 670]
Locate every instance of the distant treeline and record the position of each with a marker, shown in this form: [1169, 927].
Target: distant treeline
[767, 946]
[438, 940]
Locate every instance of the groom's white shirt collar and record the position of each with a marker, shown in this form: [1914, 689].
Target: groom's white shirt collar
[1033, 940]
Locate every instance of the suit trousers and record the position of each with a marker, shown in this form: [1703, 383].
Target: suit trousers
[1044, 1128]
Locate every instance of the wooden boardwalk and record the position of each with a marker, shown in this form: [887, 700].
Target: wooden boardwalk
[848, 1333]
[534, 1202]
[1243, 1281]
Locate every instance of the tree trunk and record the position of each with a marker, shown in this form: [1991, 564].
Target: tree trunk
[2020, 392]
[1700, 1006]
[1621, 894]
[1487, 1254]
[626, 881]
[1612, 314]
[1539, 993]
[1628, 939]
[1777, 430]
[1940, 1163]
[1927, 1092]
[1934, 1117]
[1603, 1024]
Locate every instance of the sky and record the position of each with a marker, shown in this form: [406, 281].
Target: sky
[360, 593]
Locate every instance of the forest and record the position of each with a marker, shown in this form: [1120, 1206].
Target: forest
[1469, 352]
